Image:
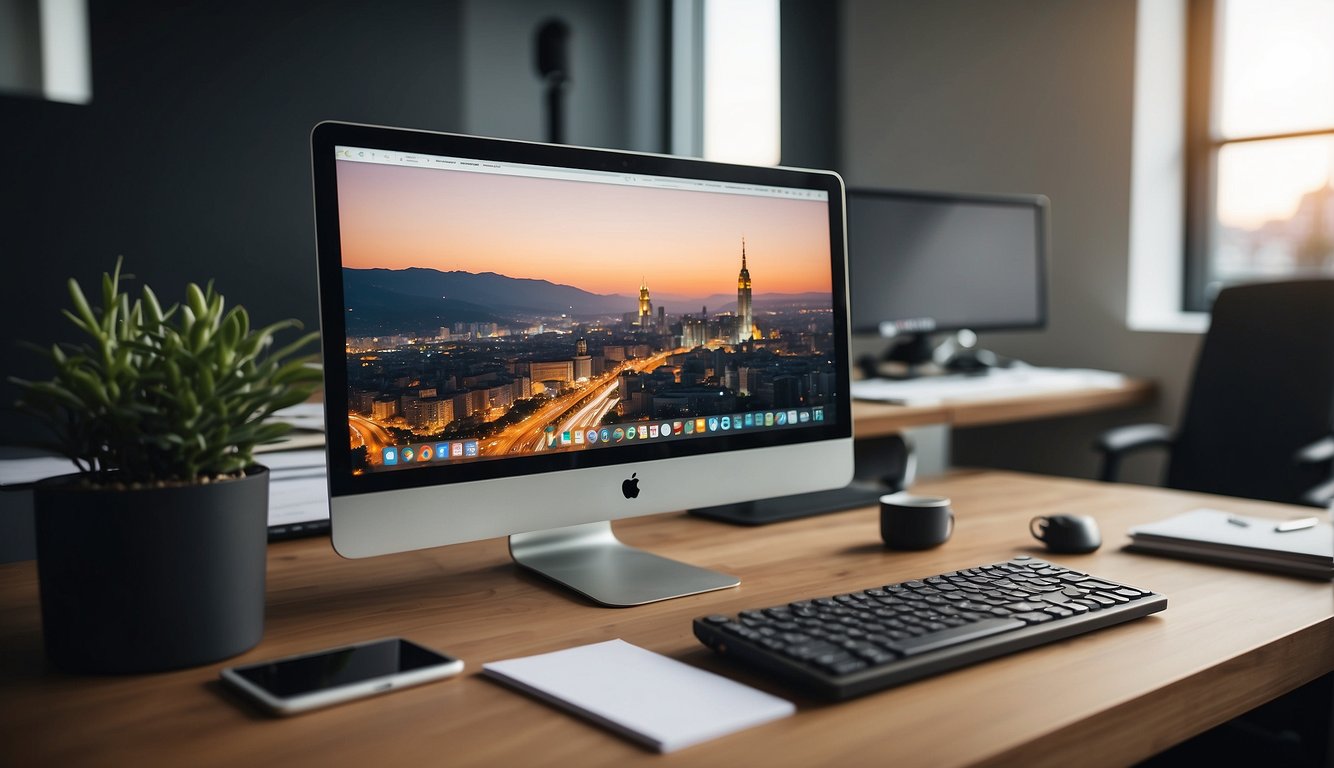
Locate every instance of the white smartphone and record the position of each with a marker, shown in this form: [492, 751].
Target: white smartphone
[308, 681]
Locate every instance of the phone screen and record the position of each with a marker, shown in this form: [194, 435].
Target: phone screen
[339, 666]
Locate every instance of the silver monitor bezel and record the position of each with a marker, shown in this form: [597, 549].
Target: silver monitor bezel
[381, 513]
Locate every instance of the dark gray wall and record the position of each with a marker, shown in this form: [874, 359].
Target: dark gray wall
[1019, 96]
[809, 81]
[502, 95]
[192, 159]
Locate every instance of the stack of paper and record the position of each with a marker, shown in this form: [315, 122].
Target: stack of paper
[1252, 542]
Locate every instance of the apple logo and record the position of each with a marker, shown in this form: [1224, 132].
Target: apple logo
[630, 488]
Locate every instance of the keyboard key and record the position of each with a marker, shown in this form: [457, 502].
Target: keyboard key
[953, 636]
[846, 666]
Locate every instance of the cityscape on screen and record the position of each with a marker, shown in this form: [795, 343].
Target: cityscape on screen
[457, 356]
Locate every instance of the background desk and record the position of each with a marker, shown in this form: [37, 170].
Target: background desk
[873, 419]
[1228, 641]
[928, 427]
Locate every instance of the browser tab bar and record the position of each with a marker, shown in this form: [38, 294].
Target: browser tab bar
[383, 157]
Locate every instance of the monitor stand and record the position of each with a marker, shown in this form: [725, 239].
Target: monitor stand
[916, 355]
[882, 465]
[590, 560]
[915, 352]
[782, 508]
[909, 356]
[960, 354]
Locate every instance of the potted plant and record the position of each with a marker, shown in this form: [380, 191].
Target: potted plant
[152, 555]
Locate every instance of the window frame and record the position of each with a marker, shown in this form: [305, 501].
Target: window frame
[1203, 144]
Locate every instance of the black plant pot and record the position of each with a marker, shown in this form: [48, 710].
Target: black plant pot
[151, 579]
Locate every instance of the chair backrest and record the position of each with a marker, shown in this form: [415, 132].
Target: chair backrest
[1263, 388]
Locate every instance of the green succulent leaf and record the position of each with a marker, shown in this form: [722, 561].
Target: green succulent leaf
[84, 318]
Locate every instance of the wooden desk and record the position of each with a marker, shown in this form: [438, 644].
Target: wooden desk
[1228, 641]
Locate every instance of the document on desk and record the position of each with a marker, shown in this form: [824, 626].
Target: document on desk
[997, 383]
[650, 698]
[298, 489]
[1211, 535]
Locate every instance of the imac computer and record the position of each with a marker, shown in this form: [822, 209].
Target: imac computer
[531, 340]
[922, 263]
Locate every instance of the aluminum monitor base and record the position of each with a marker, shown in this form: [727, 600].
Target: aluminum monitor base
[590, 560]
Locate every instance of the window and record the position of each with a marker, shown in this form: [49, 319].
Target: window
[741, 81]
[1260, 132]
[725, 80]
[44, 50]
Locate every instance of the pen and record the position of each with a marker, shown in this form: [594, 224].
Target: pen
[1237, 521]
[1296, 525]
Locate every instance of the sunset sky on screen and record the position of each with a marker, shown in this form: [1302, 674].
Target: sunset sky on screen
[602, 238]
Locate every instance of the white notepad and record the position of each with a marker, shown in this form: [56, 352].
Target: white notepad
[652, 699]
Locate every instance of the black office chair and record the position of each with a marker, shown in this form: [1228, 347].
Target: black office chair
[1259, 419]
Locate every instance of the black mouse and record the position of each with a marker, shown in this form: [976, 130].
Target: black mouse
[1066, 534]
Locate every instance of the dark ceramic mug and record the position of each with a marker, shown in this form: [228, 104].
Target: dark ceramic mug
[908, 521]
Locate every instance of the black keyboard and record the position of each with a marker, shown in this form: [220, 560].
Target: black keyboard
[847, 645]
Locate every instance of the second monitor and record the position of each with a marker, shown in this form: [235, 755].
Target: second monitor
[924, 263]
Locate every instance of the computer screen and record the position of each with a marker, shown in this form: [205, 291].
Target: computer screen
[921, 263]
[522, 337]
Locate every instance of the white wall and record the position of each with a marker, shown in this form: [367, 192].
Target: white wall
[1030, 96]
